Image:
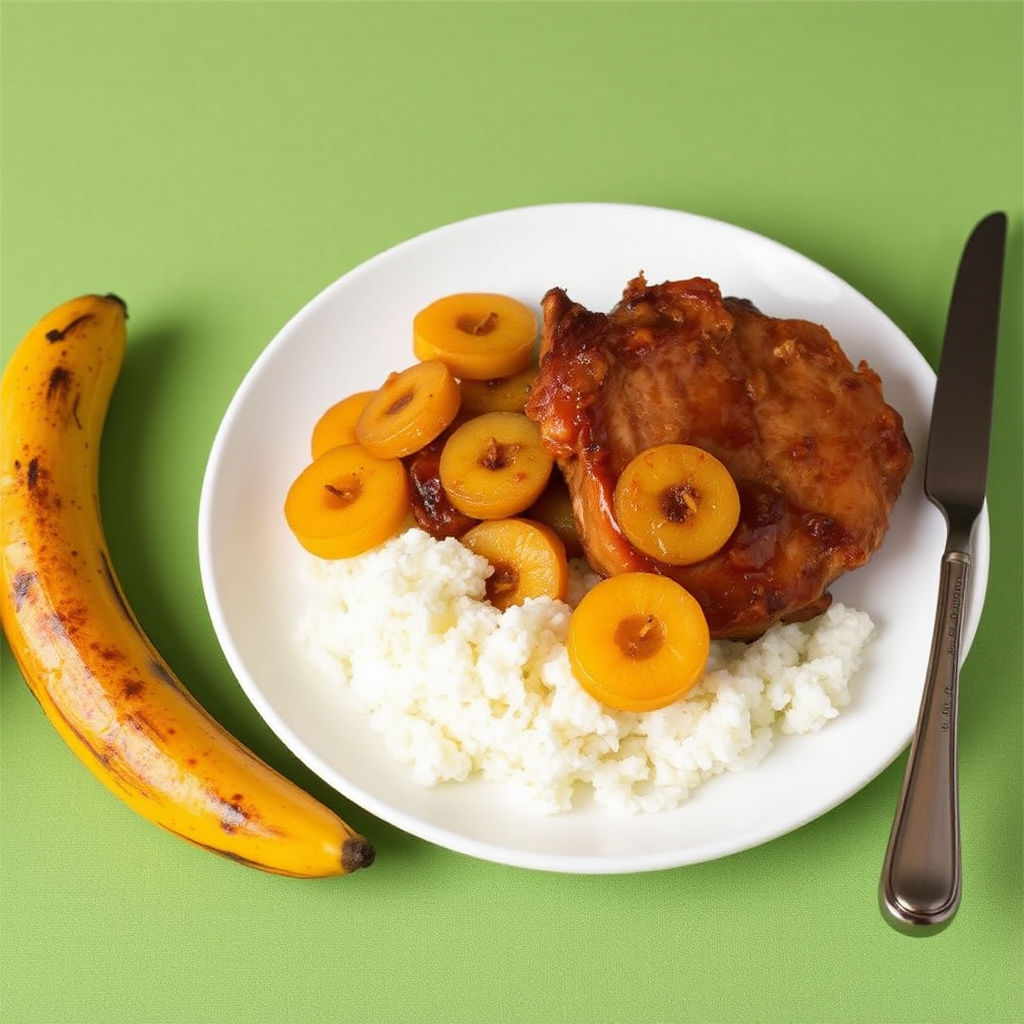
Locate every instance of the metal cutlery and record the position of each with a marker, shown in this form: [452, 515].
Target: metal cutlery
[920, 887]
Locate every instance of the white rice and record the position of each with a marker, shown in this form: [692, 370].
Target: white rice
[459, 690]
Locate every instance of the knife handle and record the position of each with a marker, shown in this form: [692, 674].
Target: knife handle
[920, 885]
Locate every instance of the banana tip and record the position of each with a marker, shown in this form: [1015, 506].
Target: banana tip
[356, 853]
[117, 298]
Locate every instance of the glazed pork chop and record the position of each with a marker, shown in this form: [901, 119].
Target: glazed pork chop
[817, 454]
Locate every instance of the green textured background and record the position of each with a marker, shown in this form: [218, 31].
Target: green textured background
[218, 164]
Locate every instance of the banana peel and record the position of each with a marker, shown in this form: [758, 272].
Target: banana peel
[98, 678]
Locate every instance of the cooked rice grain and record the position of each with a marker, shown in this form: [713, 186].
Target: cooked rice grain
[459, 690]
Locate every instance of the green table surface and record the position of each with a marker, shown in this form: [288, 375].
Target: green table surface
[218, 164]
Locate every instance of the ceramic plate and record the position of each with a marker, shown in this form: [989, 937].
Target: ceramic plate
[359, 329]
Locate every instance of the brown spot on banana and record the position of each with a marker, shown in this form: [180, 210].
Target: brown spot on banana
[54, 628]
[145, 725]
[161, 673]
[232, 817]
[72, 620]
[20, 586]
[61, 396]
[37, 476]
[108, 652]
[59, 335]
[58, 386]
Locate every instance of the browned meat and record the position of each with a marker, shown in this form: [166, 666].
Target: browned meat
[817, 455]
[431, 509]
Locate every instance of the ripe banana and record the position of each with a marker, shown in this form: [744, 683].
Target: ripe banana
[99, 679]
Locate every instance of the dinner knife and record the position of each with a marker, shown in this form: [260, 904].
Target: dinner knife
[920, 885]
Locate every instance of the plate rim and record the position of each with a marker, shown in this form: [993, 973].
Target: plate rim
[492, 852]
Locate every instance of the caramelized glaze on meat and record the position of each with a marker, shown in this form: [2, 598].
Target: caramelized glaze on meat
[431, 509]
[817, 455]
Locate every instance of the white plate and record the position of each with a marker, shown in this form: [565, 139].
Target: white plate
[356, 331]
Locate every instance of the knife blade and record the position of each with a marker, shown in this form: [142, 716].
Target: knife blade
[920, 887]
